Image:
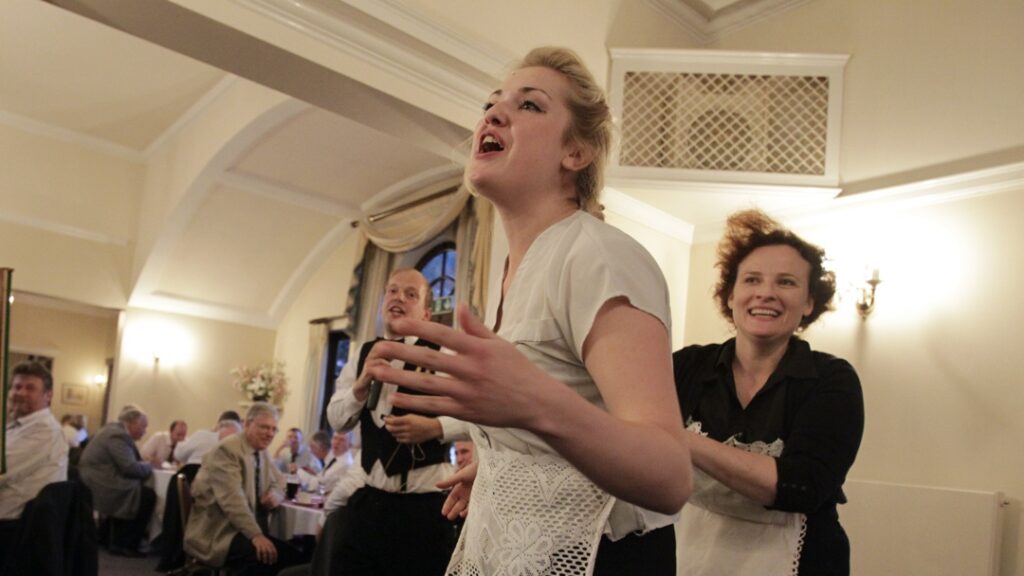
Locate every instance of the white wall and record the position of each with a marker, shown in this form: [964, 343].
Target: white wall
[928, 83]
[79, 342]
[192, 379]
[939, 358]
[325, 295]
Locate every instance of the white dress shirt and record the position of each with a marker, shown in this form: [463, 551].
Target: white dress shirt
[304, 459]
[37, 455]
[192, 450]
[353, 479]
[158, 448]
[343, 414]
[334, 469]
[71, 435]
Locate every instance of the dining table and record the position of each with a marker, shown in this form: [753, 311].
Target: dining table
[292, 519]
[161, 478]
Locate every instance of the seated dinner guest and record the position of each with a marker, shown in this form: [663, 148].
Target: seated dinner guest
[775, 426]
[233, 493]
[192, 450]
[159, 449]
[293, 455]
[113, 469]
[37, 452]
[336, 457]
[67, 424]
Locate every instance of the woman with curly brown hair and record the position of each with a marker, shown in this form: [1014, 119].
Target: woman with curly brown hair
[775, 426]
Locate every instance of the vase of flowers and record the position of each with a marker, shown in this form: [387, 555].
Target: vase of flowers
[264, 383]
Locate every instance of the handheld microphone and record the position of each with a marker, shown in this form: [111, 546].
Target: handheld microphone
[374, 394]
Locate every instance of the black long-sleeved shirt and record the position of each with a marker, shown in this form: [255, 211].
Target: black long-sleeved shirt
[813, 403]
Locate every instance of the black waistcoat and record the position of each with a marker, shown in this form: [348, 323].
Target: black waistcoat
[379, 444]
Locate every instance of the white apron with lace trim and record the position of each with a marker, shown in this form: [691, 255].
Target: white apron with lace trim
[722, 532]
[542, 517]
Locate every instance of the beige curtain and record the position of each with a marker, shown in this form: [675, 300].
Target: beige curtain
[409, 226]
[318, 332]
[373, 277]
[473, 243]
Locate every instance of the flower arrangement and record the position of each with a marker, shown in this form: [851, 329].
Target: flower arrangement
[265, 383]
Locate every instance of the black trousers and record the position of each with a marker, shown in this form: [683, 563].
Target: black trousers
[10, 530]
[327, 554]
[650, 554]
[242, 559]
[388, 534]
[128, 533]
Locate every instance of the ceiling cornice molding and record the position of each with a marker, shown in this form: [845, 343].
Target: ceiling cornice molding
[85, 141]
[60, 304]
[812, 192]
[640, 212]
[692, 22]
[716, 59]
[915, 195]
[707, 30]
[382, 51]
[191, 114]
[289, 195]
[476, 52]
[63, 229]
[162, 302]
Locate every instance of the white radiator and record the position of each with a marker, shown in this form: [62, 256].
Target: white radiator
[921, 531]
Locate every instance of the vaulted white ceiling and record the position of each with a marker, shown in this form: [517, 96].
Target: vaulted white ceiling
[230, 188]
[255, 214]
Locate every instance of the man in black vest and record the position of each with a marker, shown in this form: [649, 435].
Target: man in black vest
[393, 525]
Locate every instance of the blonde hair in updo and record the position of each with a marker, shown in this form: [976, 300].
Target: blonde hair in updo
[591, 125]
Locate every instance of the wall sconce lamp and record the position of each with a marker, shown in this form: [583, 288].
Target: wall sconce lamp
[866, 296]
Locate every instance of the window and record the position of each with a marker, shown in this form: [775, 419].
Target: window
[338, 343]
[438, 266]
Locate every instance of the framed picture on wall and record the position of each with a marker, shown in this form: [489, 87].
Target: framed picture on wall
[74, 394]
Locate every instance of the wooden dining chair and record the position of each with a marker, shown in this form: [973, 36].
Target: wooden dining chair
[193, 566]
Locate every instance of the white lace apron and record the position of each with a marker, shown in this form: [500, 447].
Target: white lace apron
[723, 533]
[530, 515]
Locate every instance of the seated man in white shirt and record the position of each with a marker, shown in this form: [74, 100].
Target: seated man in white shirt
[192, 450]
[67, 424]
[37, 452]
[159, 449]
[334, 452]
[339, 460]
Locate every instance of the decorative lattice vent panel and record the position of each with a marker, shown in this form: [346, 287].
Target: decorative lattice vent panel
[752, 123]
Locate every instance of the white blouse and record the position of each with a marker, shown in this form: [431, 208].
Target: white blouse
[569, 272]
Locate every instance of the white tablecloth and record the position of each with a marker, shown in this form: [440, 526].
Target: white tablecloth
[161, 479]
[290, 519]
